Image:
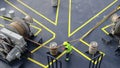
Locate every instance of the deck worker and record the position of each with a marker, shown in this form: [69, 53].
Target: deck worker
[116, 25]
[115, 31]
[68, 48]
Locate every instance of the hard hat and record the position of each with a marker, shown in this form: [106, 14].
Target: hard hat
[65, 43]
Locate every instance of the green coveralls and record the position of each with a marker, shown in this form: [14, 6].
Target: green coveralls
[68, 48]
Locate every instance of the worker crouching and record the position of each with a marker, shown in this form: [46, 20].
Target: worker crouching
[68, 48]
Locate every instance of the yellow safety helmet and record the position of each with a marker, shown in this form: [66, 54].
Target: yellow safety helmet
[65, 43]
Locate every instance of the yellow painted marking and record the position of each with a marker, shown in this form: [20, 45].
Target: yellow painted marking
[35, 11]
[79, 28]
[78, 51]
[36, 62]
[1, 25]
[84, 42]
[39, 30]
[34, 50]
[69, 18]
[57, 13]
[57, 57]
[5, 18]
[103, 29]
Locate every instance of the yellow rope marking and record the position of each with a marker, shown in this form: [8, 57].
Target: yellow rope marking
[79, 28]
[35, 11]
[84, 42]
[1, 25]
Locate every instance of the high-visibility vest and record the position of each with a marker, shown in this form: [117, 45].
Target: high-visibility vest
[68, 48]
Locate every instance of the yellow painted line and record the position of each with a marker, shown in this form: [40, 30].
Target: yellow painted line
[35, 27]
[35, 11]
[57, 13]
[5, 18]
[54, 35]
[57, 57]
[79, 28]
[36, 62]
[1, 25]
[84, 42]
[78, 51]
[39, 30]
[103, 29]
[7, 1]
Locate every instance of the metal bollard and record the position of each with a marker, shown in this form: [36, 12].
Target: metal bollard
[54, 3]
[3, 11]
[53, 48]
[93, 48]
[12, 13]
